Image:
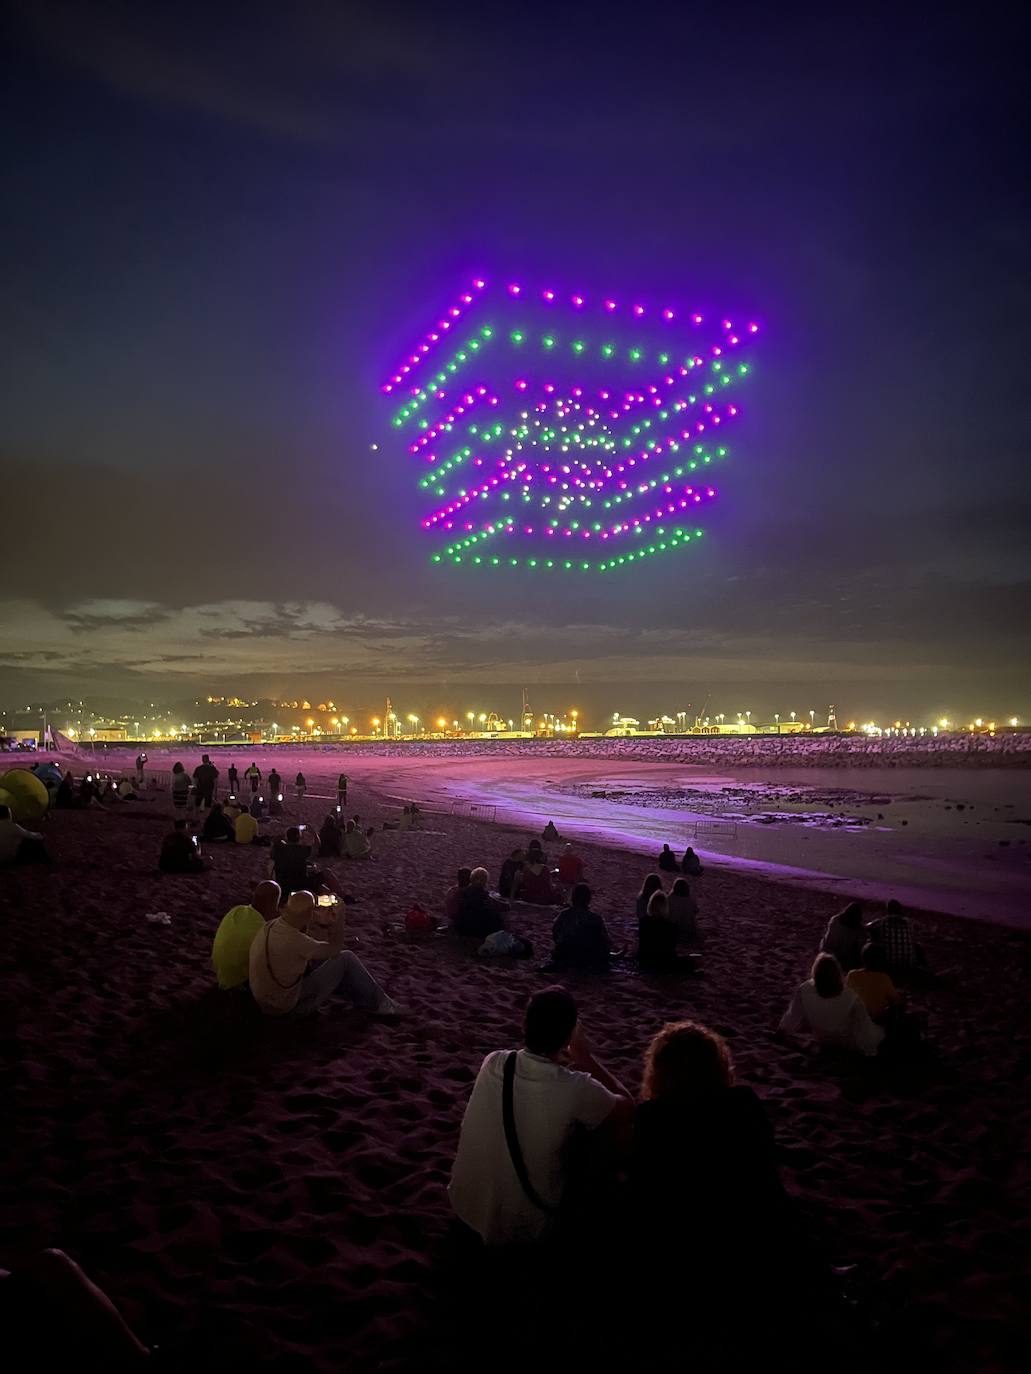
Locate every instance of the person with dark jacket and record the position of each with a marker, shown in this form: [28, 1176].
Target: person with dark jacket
[205, 776]
[507, 877]
[217, 827]
[291, 863]
[668, 860]
[330, 837]
[691, 864]
[581, 939]
[479, 914]
[179, 852]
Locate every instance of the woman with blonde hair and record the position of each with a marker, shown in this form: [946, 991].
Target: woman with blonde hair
[831, 1012]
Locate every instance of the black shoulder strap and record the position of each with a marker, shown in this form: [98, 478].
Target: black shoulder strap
[511, 1139]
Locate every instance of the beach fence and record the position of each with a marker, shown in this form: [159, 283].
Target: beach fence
[707, 831]
[477, 811]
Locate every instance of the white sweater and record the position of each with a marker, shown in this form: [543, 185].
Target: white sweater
[842, 1021]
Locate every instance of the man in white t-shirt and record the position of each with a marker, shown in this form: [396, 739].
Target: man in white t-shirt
[549, 1101]
[279, 978]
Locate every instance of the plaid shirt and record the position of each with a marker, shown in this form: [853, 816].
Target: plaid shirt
[895, 934]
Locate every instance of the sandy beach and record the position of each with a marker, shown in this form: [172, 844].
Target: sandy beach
[276, 1195]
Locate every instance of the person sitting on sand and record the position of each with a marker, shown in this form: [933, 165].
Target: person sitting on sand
[657, 939]
[479, 914]
[694, 1126]
[18, 845]
[356, 842]
[845, 937]
[231, 806]
[231, 950]
[281, 982]
[668, 860]
[245, 828]
[872, 983]
[180, 786]
[256, 807]
[292, 862]
[550, 833]
[895, 934]
[64, 800]
[570, 867]
[651, 884]
[330, 837]
[509, 870]
[691, 864]
[453, 900]
[831, 1012]
[217, 827]
[581, 939]
[533, 882]
[179, 851]
[683, 909]
[125, 790]
[511, 1168]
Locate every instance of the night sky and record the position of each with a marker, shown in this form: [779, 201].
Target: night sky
[223, 224]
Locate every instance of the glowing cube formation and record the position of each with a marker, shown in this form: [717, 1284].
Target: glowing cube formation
[558, 431]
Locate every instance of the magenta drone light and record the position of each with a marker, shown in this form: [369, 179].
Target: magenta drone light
[566, 432]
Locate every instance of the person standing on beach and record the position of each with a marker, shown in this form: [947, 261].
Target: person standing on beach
[301, 786]
[280, 979]
[342, 790]
[141, 762]
[205, 776]
[234, 779]
[180, 786]
[511, 1169]
[253, 776]
[275, 784]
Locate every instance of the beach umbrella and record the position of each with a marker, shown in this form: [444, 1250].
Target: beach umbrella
[29, 797]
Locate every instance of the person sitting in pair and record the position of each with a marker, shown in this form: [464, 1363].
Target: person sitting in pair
[280, 980]
[550, 833]
[657, 939]
[845, 937]
[356, 842]
[453, 900]
[873, 986]
[292, 865]
[231, 949]
[570, 867]
[668, 862]
[217, 827]
[533, 883]
[704, 1164]
[18, 845]
[231, 806]
[479, 914]
[895, 933]
[683, 911]
[245, 828]
[179, 851]
[651, 884]
[832, 1013]
[257, 806]
[581, 939]
[509, 871]
[125, 790]
[64, 799]
[331, 837]
[691, 864]
[513, 1160]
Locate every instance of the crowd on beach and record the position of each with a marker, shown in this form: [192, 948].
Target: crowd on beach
[550, 1138]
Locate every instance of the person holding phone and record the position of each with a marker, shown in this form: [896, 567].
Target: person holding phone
[280, 978]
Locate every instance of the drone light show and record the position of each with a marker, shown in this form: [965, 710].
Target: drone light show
[557, 430]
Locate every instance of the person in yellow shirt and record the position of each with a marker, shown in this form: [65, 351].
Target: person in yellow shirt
[872, 983]
[231, 950]
[246, 828]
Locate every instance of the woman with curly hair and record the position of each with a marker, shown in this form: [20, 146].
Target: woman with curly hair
[704, 1165]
